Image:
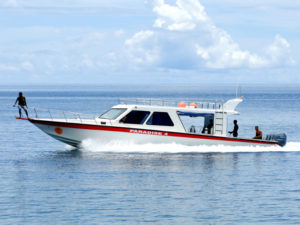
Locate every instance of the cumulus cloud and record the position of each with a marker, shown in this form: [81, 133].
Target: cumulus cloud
[279, 51]
[182, 17]
[142, 48]
[184, 37]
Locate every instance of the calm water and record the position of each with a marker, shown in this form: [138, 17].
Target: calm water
[43, 181]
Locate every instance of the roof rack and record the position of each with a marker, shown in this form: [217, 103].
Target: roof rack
[167, 102]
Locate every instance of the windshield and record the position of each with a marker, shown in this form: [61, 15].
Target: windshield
[112, 114]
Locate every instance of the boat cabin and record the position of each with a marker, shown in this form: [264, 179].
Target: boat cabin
[196, 117]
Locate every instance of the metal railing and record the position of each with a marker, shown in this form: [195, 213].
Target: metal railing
[171, 103]
[53, 114]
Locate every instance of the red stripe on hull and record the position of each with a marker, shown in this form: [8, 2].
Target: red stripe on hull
[162, 133]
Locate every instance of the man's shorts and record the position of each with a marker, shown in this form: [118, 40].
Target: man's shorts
[24, 107]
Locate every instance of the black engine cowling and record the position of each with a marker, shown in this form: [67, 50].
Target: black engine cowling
[280, 138]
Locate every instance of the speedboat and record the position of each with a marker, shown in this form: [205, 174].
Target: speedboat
[150, 121]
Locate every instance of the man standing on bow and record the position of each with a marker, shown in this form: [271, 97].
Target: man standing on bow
[21, 104]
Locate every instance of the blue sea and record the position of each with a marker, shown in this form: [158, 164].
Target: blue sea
[43, 181]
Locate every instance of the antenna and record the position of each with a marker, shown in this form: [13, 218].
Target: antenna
[238, 91]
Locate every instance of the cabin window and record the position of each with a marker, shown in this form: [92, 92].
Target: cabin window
[135, 117]
[160, 119]
[112, 113]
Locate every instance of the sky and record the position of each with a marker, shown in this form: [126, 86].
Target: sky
[143, 41]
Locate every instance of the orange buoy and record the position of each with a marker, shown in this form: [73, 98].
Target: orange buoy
[181, 104]
[193, 104]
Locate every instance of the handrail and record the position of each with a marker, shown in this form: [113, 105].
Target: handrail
[61, 114]
[167, 102]
[59, 111]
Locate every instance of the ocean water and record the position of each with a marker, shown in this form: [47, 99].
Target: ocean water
[43, 181]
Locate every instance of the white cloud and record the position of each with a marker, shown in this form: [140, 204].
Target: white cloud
[27, 66]
[10, 3]
[141, 48]
[7, 68]
[279, 51]
[223, 52]
[183, 16]
[50, 51]
[70, 3]
[184, 37]
[88, 62]
[119, 33]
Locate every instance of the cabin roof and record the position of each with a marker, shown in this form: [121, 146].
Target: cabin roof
[197, 107]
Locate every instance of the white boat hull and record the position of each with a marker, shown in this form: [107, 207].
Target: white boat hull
[74, 133]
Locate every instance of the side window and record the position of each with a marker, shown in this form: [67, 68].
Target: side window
[160, 119]
[135, 117]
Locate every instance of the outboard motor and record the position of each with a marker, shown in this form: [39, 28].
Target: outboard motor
[280, 138]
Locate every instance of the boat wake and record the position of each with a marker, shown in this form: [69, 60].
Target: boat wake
[127, 147]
